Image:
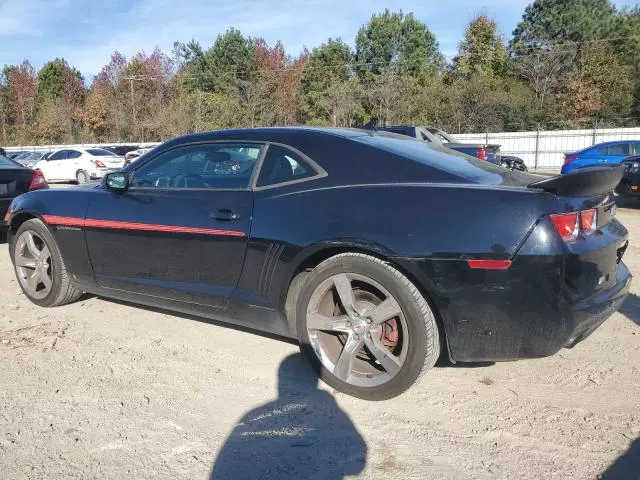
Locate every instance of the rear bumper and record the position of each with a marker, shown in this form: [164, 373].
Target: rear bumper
[585, 317]
[510, 315]
[550, 297]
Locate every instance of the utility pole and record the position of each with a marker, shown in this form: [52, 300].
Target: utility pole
[133, 104]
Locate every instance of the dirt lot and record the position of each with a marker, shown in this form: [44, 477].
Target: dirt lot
[99, 389]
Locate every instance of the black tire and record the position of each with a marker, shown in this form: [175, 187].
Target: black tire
[62, 292]
[424, 340]
[82, 177]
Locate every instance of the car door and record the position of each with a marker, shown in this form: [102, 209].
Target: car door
[180, 230]
[71, 164]
[53, 168]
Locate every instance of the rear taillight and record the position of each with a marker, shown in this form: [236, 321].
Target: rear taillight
[98, 164]
[570, 157]
[566, 225]
[588, 220]
[481, 153]
[37, 180]
[569, 225]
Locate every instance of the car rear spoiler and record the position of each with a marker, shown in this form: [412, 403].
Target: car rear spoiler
[582, 182]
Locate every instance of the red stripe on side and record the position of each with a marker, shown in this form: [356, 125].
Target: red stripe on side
[147, 227]
[489, 264]
[66, 221]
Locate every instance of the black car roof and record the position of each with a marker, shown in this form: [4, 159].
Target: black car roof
[273, 133]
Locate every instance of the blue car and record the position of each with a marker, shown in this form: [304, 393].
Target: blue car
[603, 153]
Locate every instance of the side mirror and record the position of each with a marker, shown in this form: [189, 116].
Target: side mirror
[116, 181]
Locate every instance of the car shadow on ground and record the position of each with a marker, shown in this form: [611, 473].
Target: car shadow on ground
[627, 466]
[631, 308]
[3, 236]
[301, 434]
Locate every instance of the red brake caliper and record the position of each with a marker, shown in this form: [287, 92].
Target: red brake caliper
[390, 333]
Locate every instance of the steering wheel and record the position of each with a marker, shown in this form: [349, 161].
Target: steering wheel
[189, 180]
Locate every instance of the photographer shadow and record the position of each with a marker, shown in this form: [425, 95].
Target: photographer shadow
[301, 434]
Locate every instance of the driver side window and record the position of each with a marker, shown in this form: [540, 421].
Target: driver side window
[204, 166]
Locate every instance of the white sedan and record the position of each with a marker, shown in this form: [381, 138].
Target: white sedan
[79, 164]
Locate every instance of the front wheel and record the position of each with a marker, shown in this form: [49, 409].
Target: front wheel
[365, 327]
[39, 268]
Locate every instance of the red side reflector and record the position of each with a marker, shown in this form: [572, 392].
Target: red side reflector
[489, 264]
[567, 225]
[588, 221]
[37, 180]
[7, 216]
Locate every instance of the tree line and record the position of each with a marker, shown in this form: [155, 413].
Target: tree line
[568, 64]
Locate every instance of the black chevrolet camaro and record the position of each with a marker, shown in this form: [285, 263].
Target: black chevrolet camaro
[375, 251]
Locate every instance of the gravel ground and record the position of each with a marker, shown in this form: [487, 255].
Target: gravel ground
[99, 389]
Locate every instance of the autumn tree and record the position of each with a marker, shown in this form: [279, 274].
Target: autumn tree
[21, 81]
[276, 84]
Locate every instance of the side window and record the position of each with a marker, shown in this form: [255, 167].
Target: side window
[73, 154]
[635, 149]
[425, 137]
[282, 165]
[208, 166]
[602, 150]
[62, 154]
[619, 149]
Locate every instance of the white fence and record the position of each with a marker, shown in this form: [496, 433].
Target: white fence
[546, 149]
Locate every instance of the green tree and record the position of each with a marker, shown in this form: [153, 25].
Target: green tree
[555, 21]
[329, 68]
[230, 64]
[53, 77]
[482, 50]
[398, 41]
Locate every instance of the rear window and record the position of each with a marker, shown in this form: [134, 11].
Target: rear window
[436, 156]
[99, 152]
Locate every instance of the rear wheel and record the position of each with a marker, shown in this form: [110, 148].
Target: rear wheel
[82, 176]
[365, 327]
[39, 269]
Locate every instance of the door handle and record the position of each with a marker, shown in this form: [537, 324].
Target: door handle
[225, 214]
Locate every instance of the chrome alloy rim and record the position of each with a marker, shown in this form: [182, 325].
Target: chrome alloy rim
[33, 264]
[357, 330]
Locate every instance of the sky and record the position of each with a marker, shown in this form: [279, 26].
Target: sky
[86, 32]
